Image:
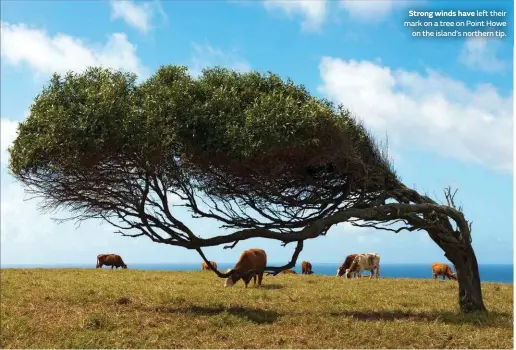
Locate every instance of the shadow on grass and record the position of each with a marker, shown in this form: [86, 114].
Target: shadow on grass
[258, 316]
[271, 286]
[490, 320]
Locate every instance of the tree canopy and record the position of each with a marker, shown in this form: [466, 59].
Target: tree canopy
[255, 152]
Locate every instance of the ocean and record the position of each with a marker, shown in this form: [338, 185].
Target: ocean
[502, 273]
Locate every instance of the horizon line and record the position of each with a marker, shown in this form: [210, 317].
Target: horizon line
[272, 263]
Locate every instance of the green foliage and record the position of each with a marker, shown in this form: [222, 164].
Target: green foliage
[102, 116]
[102, 145]
[75, 120]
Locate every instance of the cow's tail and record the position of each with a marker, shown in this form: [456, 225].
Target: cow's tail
[98, 260]
[377, 266]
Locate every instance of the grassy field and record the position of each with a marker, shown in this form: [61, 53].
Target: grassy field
[79, 308]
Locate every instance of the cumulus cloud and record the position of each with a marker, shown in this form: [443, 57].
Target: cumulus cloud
[313, 12]
[357, 234]
[137, 16]
[371, 9]
[481, 53]
[29, 236]
[432, 111]
[20, 218]
[209, 56]
[60, 53]
[8, 132]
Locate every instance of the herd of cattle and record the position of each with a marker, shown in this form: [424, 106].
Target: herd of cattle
[252, 259]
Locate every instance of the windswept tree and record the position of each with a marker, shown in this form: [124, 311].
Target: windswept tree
[259, 154]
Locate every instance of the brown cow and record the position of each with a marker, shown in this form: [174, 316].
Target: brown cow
[286, 272]
[346, 264]
[113, 260]
[306, 268]
[443, 270]
[205, 266]
[249, 259]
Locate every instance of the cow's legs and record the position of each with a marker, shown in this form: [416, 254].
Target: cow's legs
[371, 272]
[377, 271]
[260, 277]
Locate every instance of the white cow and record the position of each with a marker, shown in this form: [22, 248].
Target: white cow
[367, 261]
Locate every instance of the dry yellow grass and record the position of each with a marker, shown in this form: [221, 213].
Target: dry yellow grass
[89, 308]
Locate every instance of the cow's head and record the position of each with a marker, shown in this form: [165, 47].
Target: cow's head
[453, 276]
[340, 271]
[233, 278]
[124, 266]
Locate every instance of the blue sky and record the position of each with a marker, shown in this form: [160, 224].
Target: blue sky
[446, 105]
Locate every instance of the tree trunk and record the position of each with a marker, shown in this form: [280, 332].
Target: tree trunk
[457, 248]
[465, 262]
[470, 290]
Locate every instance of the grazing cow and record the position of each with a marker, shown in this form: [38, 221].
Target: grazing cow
[113, 260]
[367, 261]
[346, 264]
[306, 268]
[286, 272]
[250, 259]
[443, 270]
[205, 266]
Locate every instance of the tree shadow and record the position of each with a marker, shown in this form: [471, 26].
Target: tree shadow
[258, 316]
[480, 320]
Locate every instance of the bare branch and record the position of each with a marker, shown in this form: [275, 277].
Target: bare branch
[231, 246]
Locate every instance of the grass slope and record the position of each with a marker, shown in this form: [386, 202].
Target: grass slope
[88, 308]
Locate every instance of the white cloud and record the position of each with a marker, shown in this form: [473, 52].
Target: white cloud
[314, 12]
[371, 9]
[21, 223]
[138, 16]
[359, 234]
[8, 133]
[208, 56]
[481, 53]
[29, 236]
[60, 53]
[430, 110]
